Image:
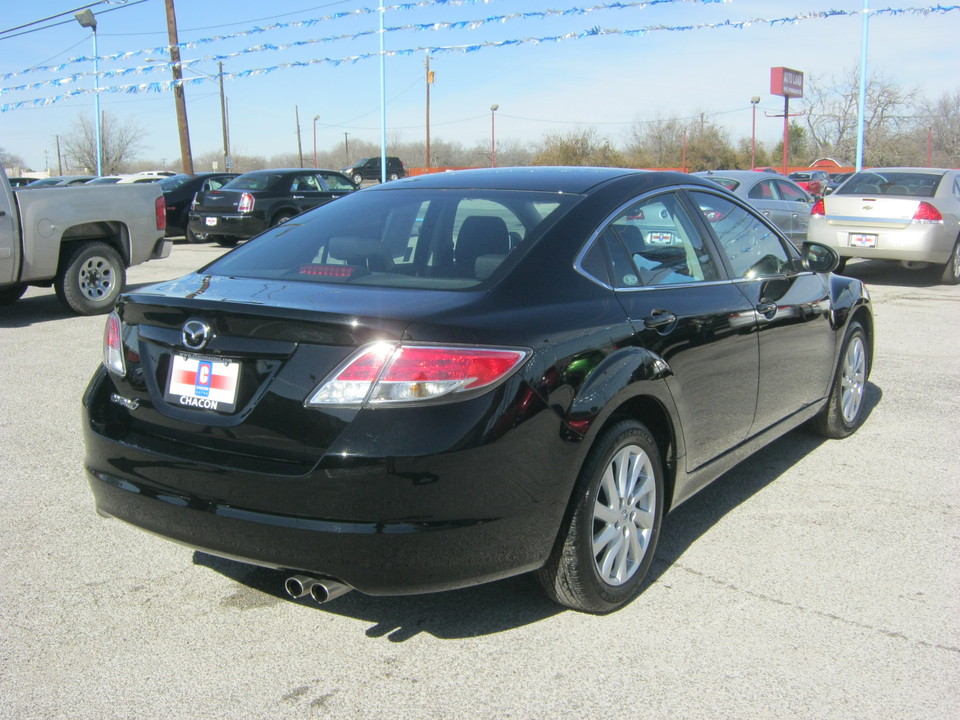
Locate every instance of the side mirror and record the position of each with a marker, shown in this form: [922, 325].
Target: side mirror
[819, 258]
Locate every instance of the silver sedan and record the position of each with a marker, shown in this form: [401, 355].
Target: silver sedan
[907, 214]
[785, 203]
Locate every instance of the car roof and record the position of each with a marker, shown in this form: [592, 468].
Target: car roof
[550, 179]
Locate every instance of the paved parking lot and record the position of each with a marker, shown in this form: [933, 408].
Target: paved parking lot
[817, 579]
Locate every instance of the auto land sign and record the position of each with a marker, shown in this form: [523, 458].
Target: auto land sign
[786, 82]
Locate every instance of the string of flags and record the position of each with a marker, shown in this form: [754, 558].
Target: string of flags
[167, 85]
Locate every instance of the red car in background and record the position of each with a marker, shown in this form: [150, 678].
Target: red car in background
[813, 181]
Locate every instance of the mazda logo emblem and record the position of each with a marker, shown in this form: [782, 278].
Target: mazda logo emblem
[196, 334]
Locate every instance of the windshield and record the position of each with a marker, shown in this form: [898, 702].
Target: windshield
[898, 182]
[416, 238]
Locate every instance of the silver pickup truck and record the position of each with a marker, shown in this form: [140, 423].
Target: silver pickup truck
[79, 239]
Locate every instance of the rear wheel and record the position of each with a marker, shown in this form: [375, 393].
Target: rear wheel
[91, 279]
[393, 176]
[951, 271]
[610, 533]
[283, 217]
[845, 410]
[227, 241]
[194, 237]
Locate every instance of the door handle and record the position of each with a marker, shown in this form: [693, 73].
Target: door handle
[767, 309]
[298, 197]
[660, 320]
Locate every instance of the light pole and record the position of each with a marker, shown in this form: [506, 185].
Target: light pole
[493, 135]
[315, 118]
[753, 136]
[86, 18]
[346, 148]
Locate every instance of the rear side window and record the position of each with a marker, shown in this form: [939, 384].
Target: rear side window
[401, 238]
[653, 242]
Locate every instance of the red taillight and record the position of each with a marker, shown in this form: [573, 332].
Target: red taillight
[161, 209]
[818, 209]
[927, 213]
[385, 374]
[246, 203]
[113, 345]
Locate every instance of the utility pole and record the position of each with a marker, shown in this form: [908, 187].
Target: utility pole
[227, 160]
[429, 83]
[186, 157]
[59, 157]
[296, 109]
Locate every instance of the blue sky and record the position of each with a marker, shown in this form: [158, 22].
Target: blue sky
[608, 81]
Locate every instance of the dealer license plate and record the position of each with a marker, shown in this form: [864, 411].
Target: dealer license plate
[660, 238]
[210, 221]
[862, 240]
[199, 381]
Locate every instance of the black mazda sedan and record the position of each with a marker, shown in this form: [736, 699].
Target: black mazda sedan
[460, 377]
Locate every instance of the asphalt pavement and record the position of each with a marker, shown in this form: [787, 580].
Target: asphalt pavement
[818, 579]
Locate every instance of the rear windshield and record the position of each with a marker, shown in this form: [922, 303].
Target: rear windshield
[253, 181]
[728, 183]
[919, 184]
[416, 238]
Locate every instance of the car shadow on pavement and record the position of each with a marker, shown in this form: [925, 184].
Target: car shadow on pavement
[35, 308]
[519, 601]
[880, 272]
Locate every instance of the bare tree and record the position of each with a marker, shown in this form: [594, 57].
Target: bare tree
[121, 143]
[9, 160]
[832, 111]
[578, 147]
[940, 122]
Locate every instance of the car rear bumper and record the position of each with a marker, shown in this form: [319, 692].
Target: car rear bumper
[381, 525]
[918, 242]
[241, 226]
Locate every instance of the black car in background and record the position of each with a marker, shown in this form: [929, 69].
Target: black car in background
[464, 376]
[370, 169]
[255, 201]
[178, 193]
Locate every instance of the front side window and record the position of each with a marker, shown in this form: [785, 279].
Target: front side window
[751, 247]
[790, 192]
[655, 242]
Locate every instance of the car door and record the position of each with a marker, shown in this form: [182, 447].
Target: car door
[793, 309]
[766, 199]
[798, 203]
[685, 311]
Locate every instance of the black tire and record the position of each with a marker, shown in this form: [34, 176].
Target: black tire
[357, 178]
[282, 217]
[193, 237]
[393, 176]
[91, 279]
[227, 241]
[10, 294]
[628, 515]
[841, 265]
[846, 410]
[951, 271]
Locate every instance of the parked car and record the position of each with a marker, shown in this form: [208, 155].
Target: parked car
[178, 193]
[813, 181]
[57, 181]
[781, 200]
[464, 376]
[79, 239]
[369, 169]
[255, 201]
[123, 179]
[836, 180]
[907, 214]
[16, 182]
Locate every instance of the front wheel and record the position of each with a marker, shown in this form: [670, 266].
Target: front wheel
[357, 178]
[951, 271]
[845, 410]
[608, 538]
[393, 176]
[91, 278]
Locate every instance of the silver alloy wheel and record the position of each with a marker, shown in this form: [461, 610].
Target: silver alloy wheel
[852, 379]
[623, 515]
[96, 278]
[954, 264]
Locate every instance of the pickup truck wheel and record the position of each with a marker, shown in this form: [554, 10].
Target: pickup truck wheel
[91, 279]
[606, 543]
[9, 295]
[224, 240]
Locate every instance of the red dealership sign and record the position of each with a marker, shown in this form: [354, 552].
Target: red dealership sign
[786, 82]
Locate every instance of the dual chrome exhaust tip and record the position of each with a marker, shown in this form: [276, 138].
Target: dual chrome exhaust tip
[320, 589]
